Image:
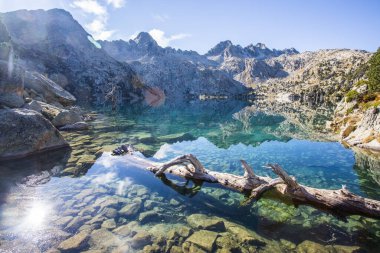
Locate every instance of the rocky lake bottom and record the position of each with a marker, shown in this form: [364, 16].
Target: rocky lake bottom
[86, 200]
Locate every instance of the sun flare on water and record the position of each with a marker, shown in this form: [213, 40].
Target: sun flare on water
[36, 216]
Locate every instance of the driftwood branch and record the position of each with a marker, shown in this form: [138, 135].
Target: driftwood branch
[340, 202]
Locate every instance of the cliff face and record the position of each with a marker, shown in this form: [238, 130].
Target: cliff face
[54, 44]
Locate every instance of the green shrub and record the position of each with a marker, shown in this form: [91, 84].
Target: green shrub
[361, 82]
[351, 95]
[349, 110]
[373, 72]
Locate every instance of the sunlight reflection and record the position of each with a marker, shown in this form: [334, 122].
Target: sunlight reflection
[36, 216]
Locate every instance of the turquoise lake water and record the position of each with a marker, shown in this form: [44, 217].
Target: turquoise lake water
[46, 199]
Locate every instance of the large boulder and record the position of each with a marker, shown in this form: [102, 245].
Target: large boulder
[24, 132]
[51, 91]
[66, 117]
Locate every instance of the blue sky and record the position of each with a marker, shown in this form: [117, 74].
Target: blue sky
[200, 24]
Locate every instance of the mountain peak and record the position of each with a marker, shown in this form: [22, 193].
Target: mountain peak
[220, 47]
[144, 38]
[261, 45]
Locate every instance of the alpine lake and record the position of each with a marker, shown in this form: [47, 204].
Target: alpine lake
[85, 200]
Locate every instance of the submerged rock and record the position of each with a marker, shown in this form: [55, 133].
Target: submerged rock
[344, 249]
[141, 239]
[203, 239]
[24, 132]
[152, 248]
[64, 220]
[179, 231]
[131, 209]
[127, 230]
[109, 212]
[77, 222]
[103, 239]
[109, 224]
[75, 242]
[148, 216]
[76, 126]
[246, 236]
[311, 247]
[201, 221]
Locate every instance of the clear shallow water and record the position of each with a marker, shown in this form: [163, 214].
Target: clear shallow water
[111, 206]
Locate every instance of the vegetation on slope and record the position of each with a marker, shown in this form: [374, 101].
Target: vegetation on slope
[373, 72]
[370, 97]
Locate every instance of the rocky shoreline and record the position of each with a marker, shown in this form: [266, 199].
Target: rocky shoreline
[30, 123]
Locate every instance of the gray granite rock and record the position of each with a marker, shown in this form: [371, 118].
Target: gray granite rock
[51, 91]
[25, 132]
[33, 105]
[66, 117]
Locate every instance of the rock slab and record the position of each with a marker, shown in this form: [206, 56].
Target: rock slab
[24, 132]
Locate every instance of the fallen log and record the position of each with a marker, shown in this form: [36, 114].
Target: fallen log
[340, 202]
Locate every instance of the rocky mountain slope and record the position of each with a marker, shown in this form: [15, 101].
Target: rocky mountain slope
[321, 75]
[177, 73]
[357, 118]
[54, 44]
[234, 58]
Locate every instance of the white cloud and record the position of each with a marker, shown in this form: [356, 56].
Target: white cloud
[104, 35]
[98, 26]
[161, 18]
[90, 6]
[164, 40]
[116, 3]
